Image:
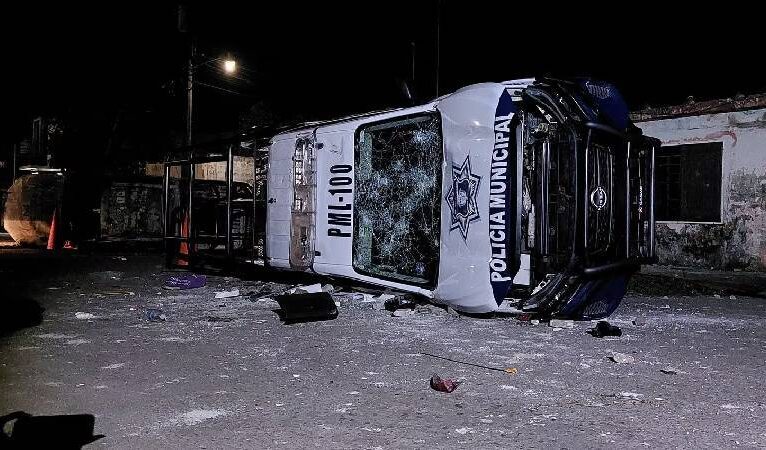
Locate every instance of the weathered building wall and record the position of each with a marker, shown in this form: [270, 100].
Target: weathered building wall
[739, 240]
[132, 210]
[243, 170]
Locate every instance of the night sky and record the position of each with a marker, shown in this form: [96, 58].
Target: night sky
[317, 60]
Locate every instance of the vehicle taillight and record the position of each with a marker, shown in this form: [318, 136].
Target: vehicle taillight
[304, 188]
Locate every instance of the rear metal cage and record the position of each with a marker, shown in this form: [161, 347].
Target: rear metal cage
[215, 220]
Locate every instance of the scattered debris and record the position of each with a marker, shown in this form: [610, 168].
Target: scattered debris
[306, 307]
[603, 328]
[402, 313]
[732, 297]
[352, 299]
[384, 298]
[106, 275]
[670, 370]
[430, 308]
[227, 294]
[716, 296]
[443, 384]
[368, 298]
[621, 358]
[120, 258]
[114, 366]
[310, 289]
[155, 315]
[534, 322]
[185, 281]
[329, 288]
[363, 299]
[84, 316]
[639, 321]
[630, 395]
[118, 293]
[197, 416]
[393, 303]
[219, 319]
[559, 323]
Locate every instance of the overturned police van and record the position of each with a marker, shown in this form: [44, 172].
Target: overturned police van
[528, 196]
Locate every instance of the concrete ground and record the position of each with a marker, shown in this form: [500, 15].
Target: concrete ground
[227, 373]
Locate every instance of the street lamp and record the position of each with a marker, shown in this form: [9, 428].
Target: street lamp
[229, 66]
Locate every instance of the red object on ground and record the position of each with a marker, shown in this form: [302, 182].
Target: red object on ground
[52, 233]
[183, 249]
[444, 385]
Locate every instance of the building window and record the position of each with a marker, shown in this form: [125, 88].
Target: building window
[688, 183]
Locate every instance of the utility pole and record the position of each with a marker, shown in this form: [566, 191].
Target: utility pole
[183, 28]
[190, 93]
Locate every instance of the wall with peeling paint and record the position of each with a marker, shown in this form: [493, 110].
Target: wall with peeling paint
[739, 241]
[132, 210]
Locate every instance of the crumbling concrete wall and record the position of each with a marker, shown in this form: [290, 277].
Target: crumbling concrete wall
[739, 240]
[132, 210]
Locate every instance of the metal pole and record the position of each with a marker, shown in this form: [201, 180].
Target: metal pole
[189, 94]
[165, 213]
[191, 227]
[165, 194]
[255, 199]
[229, 183]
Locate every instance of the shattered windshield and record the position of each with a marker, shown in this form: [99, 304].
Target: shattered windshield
[397, 199]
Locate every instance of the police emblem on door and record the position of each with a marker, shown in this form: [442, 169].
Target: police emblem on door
[598, 198]
[461, 197]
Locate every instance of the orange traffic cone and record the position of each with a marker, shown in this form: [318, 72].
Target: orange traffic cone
[183, 250]
[52, 233]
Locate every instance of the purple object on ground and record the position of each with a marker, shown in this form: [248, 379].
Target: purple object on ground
[185, 281]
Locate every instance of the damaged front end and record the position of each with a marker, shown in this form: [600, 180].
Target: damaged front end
[586, 218]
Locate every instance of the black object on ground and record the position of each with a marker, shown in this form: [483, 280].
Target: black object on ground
[19, 313]
[155, 315]
[400, 302]
[65, 431]
[306, 307]
[603, 328]
[443, 384]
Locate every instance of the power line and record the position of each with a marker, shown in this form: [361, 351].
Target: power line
[241, 94]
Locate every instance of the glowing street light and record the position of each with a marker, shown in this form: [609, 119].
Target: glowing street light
[229, 66]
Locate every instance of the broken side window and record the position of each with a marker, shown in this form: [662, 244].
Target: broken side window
[397, 199]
